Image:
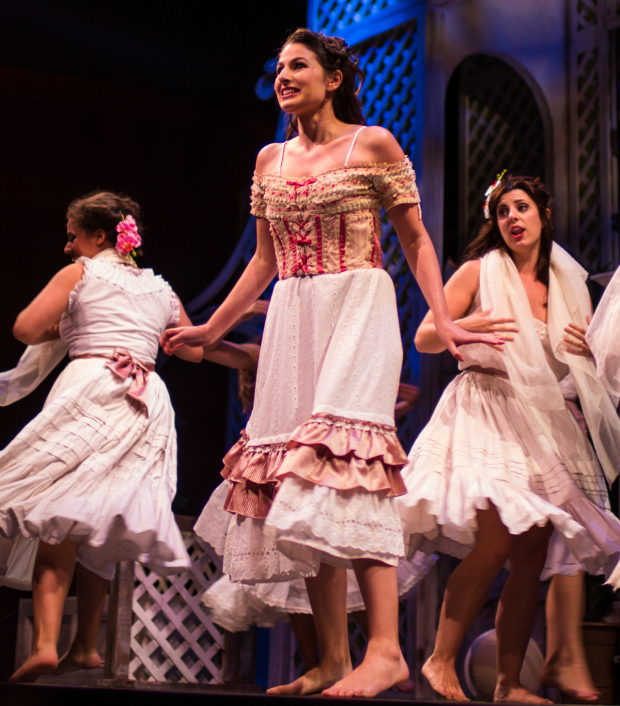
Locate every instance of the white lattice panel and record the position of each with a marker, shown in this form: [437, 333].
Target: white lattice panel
[587, 13]
[172, 638]
[588, 153]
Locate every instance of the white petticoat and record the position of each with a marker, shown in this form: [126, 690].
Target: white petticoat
[237, 606]
[331, 347]
[92, 467]
[482, 446]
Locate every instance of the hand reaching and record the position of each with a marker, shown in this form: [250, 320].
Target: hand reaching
[258, 308]
[453, 336]
[174, 338]
[482, 323]
[577, 339]
[408, 392]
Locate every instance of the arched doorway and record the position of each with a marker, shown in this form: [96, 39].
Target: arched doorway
[493, 123]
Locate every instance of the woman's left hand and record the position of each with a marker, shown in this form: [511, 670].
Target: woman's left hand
[577, 339]
[453, 336]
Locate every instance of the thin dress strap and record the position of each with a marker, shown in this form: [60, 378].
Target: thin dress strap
[353, 141]
[282, 157]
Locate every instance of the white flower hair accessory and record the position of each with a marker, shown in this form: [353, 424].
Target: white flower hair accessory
[489, 192]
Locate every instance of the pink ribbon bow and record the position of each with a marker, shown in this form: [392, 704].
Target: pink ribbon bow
[302, 184]
[123, 366]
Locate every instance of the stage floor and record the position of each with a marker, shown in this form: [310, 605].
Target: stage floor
[157, 694]
[147, 694]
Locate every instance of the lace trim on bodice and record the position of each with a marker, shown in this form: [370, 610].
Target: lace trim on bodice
[337, 190]
[330, 222]
[133, 280]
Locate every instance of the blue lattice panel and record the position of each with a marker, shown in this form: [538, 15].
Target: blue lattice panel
[333, 16]
[389, 95]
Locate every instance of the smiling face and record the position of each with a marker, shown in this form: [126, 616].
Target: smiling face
[81, 243]
[519, 222]
[301, 84]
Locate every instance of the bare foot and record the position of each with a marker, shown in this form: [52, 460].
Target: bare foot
[406, 686]
[313, 681]
[574, 680]
[443, 679]
[517, 695]
[39, 663]
[379, 672]
[78, 658]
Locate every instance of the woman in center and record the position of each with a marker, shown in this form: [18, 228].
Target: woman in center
[312, 482]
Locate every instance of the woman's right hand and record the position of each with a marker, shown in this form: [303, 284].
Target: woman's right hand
[193, 336]
[481, 322]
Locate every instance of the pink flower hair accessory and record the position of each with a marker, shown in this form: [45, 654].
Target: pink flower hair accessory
[128, 238]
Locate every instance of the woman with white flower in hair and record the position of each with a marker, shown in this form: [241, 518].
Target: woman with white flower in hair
[90, 480]
[503, 462]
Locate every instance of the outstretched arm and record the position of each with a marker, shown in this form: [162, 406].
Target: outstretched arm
[460, 291]
[380, 145]
[261, 269]
[193, 355]
[37, 323]
[239, 356]
[422, 259]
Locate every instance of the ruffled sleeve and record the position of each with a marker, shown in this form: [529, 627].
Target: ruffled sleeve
[175, 309]
[75, 292]
[258, 207]
[395, 184]
[175, 304]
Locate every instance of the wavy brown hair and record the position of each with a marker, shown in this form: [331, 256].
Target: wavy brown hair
[489, 238]
[103, 209]
[334, 54]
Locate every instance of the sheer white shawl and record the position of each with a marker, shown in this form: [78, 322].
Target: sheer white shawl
[524, 359]
[603, 336]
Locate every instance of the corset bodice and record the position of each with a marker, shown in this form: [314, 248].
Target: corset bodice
[330, 222]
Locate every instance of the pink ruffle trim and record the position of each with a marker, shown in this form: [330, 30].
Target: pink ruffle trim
[251, 471]
[330, 451]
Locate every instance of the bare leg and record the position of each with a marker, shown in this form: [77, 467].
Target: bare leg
[53, 572]
[383, 665]
[361, 616]
[328, 597]
[91, 593]
[516, 614]
[566, 667]
[465, 594]
[307, 639]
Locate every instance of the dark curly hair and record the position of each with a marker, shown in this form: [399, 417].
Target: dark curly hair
[334, 54]
[489, 238]
[103, 209]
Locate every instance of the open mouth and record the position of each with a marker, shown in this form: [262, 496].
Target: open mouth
[517, 233]
[289, 91]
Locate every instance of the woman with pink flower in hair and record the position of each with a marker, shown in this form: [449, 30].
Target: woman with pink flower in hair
[90, 480]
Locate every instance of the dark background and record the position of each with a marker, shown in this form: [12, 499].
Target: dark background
[157, 100]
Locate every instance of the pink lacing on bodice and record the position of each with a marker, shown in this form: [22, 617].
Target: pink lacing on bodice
[330, 222]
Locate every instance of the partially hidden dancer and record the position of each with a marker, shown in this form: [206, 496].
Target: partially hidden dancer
[313, 480]
[90, 480]
[503, 472]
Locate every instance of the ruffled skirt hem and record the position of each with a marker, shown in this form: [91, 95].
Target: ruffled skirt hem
[328, 451]
[307, 525]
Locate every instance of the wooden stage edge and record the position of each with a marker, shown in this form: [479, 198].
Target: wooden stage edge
[159, 694]
[154, 694]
